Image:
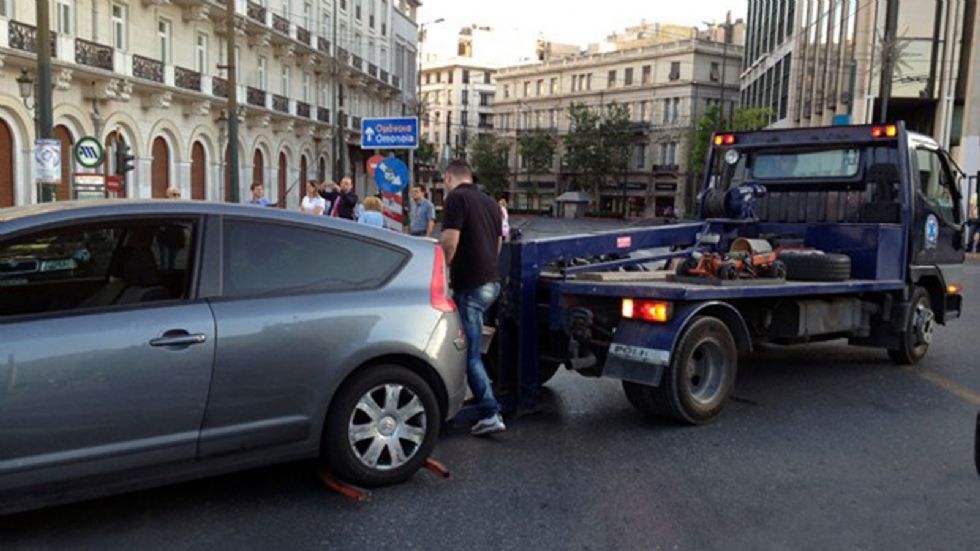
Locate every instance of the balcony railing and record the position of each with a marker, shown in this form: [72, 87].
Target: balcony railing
[255, 97]
[356, 62]
[384, 76]
[257, 12]
[147, 69]
[280, 24]
[323, 114]
[342, 55]
[323, 44]
[373, 70]
[280, 103]
[93, 54]
[395, 81]
[342, 119]
[187, 79]
[355, 124]
[303, 36]
[303, 109]
[24, 38]
[219, 87]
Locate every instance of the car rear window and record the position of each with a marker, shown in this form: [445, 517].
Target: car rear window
[830, 163]
[262, 258]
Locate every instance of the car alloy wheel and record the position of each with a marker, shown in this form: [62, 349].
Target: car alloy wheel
[387, 427]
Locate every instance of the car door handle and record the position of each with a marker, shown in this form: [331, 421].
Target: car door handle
[179, 339]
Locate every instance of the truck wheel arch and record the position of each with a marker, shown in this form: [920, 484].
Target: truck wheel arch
[728, 315]
[931, 279]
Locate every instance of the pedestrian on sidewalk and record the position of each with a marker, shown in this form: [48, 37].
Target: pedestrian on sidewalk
[505, 216]
[471, 241]
[373, 213]
[342, 199]
[258, 195]
[973, 225]
[312, 202]
[422, 220]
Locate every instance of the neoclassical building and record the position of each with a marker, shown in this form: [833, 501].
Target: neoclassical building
[146, 72]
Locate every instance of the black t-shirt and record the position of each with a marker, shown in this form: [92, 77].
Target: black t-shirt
[478, 219]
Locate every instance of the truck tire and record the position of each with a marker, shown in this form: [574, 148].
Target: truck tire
[699, 379]
[914, 340]
[804, 266]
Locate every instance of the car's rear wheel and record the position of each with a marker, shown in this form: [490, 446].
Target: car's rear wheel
[382, 425]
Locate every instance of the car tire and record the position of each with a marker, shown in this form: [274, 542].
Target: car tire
[699, 379]
[381, 426]
[914, 340]
[808, 266]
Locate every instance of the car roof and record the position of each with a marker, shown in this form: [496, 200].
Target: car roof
[16, 219]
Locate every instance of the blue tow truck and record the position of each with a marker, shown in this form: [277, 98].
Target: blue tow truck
[865, 220]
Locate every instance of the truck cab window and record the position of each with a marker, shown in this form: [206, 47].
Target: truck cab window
[936, 185]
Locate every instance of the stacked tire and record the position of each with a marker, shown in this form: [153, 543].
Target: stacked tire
[816, 266]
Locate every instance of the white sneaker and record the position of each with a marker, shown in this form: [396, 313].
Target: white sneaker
[490, 425]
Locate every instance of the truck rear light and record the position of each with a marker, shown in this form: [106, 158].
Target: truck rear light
[647, 310]
[886, 131]
[953, 289]
[725, 139]
[439, 286]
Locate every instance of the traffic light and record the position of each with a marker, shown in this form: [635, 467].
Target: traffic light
[124, 161]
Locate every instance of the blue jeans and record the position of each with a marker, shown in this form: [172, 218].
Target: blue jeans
[473, 304]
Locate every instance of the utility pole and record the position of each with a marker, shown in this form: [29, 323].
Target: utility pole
[338, 135]
[232, 105]
[45, 109]
[889, 51]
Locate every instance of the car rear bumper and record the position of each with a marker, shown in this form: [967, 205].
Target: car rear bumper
[447, 349]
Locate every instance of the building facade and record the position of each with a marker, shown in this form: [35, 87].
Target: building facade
[457, 102]
[147, 73]
[816, 61]
[665, 87]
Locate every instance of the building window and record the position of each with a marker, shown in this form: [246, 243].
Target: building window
[357, 10]
[466, 98]
[466, 76]
[307, 16]
[284, 80]
[325, 27]
[675, 70]
[487, 78]
[165, 33]
[343, 5]
[485, 99]
[527, 88]
[611, 79]
[539, 88]
[628, 77]
[202, 53]
[640, 156]
[287, 9]
[554, 87]
[120, 26]
[449, 76]
[647, 71]
[464, 118]
[644, 110]
[506, 91]
[66, 16]
[260, 76]
[6, 8]
[715, 74]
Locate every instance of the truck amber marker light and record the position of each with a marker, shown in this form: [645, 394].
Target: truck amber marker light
[647, 310]
[953, 289]
[725, 139]
[887, 131]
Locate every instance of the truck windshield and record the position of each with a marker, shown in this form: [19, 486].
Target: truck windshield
[831, 163]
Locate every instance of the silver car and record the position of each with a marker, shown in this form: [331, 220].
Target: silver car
[143, 343]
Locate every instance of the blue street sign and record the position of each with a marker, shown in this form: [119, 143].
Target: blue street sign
[842, 120]
[391, 175]
[390, 133]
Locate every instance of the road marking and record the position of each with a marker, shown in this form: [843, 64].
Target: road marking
[947, 385]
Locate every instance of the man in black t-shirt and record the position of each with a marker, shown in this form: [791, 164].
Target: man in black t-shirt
[471, 239]
[342, 200]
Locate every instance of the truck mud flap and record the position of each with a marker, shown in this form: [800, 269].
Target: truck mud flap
[640, 350]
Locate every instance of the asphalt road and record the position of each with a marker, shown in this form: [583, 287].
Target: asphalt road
[825, 447]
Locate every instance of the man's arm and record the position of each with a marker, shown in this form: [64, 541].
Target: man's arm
[430, 225]
[449, 241]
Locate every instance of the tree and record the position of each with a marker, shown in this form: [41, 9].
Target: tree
[744, 119]
[598, 144]
[537, 148]
[426, 153]
[489, 160]
[617, 141]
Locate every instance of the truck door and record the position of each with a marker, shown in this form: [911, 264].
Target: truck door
[937, 230]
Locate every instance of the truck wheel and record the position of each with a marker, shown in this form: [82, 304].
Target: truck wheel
[806, 266]
[913, 342]
[381, 427]
[699, 379]
[727, 271]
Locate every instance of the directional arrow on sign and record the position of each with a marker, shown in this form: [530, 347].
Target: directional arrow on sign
[370, 134]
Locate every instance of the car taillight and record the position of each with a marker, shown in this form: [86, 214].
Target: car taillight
[439, 287]
[647, 310]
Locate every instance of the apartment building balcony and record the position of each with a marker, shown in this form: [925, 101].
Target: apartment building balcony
[219, 87]
[147, 69]
[94, 55]
[188, 80]
[323, 115]
[303, 110]
[280, 103]
[23, 37]
[255, 97]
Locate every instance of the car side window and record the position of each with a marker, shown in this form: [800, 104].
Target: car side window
[114, 263]
[263, 258]
[936, 185]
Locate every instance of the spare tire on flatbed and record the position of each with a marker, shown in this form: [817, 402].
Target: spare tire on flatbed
[815, 266]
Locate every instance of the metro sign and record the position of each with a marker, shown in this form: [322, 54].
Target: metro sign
[89, 152]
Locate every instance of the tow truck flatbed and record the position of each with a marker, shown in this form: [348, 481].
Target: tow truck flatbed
[673, 290]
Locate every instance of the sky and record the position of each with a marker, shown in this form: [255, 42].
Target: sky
[573, 21]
